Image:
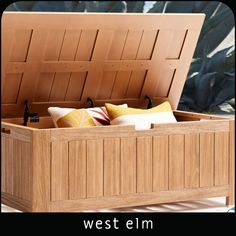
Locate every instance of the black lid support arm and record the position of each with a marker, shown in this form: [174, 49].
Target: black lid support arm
[29, 115]
[150, 102]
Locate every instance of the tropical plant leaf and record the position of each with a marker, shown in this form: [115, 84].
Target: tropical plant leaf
[214, 32]
[158, 7]
[135, 6]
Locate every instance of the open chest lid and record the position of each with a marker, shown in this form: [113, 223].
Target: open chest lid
[61, 59]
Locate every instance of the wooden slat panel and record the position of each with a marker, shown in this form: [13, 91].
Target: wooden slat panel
[44, 87]
[132, 44]
[115, 53]
[7, 39]
[120, 85]
[3, 164]
[176, 162]
[75, 86]
[25, 171]
[86, 45]
[35, 56]
[21, 44]
[130, 52]
[147, 44]
[59, 88]
[42, 167]
[111, 167]
[160, 163]
[103, 41]
[107, 85]
[132, 37]
[21, 169]
[52, 53]
[8, 152]
[83, 53]
[16, 149]
[68, 53]
[70, 44]
[230, 200]
[54, 45]
[94, 168]
[144, 164]
[154, 75]
[163, 88]
[59, 171]
[192, 161]
[135, 84]
[11, 89]
[206, 159]
[117, 45]
[128, 165]
[77, 169]
[181, 72]
[176, 44]
[221, 158]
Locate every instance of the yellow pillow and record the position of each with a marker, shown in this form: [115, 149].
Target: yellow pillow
[71, 117]
[141, 118]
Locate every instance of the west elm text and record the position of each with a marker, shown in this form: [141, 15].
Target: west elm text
[114, 224]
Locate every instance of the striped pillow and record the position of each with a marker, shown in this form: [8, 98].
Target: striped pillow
[71, 117]
[141, 118]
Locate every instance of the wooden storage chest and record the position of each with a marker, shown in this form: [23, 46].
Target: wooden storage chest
[61, 59]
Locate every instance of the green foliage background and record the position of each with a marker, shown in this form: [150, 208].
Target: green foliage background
[210, 85]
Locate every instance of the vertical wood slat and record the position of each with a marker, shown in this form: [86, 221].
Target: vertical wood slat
[12, 85]
[7, 39]
[7, 154]
[155, 72]
[130, 51]
[206, 159]
[144, 164]
[86, 45]
[83, 53]
[16, 167]
[176, 162]
[135, 84]
[21, 164]
[160, 163]
[128, 165]
[67, 53]
[77, 169]
[221, 158]
[163, 88]
[100, 52]
[111, 167]
[21, 44]
[34, 59]
[59, 171]
[115, 53]
[147, 45]
[52, 52]
[230, 200]
[192, 177]
[94, 168]
[25, 172]
[3, 164]
[42, 150]
[181, 73]
[176, 44]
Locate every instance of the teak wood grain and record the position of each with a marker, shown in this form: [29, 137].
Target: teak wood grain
[103, 56]
[117, 58]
